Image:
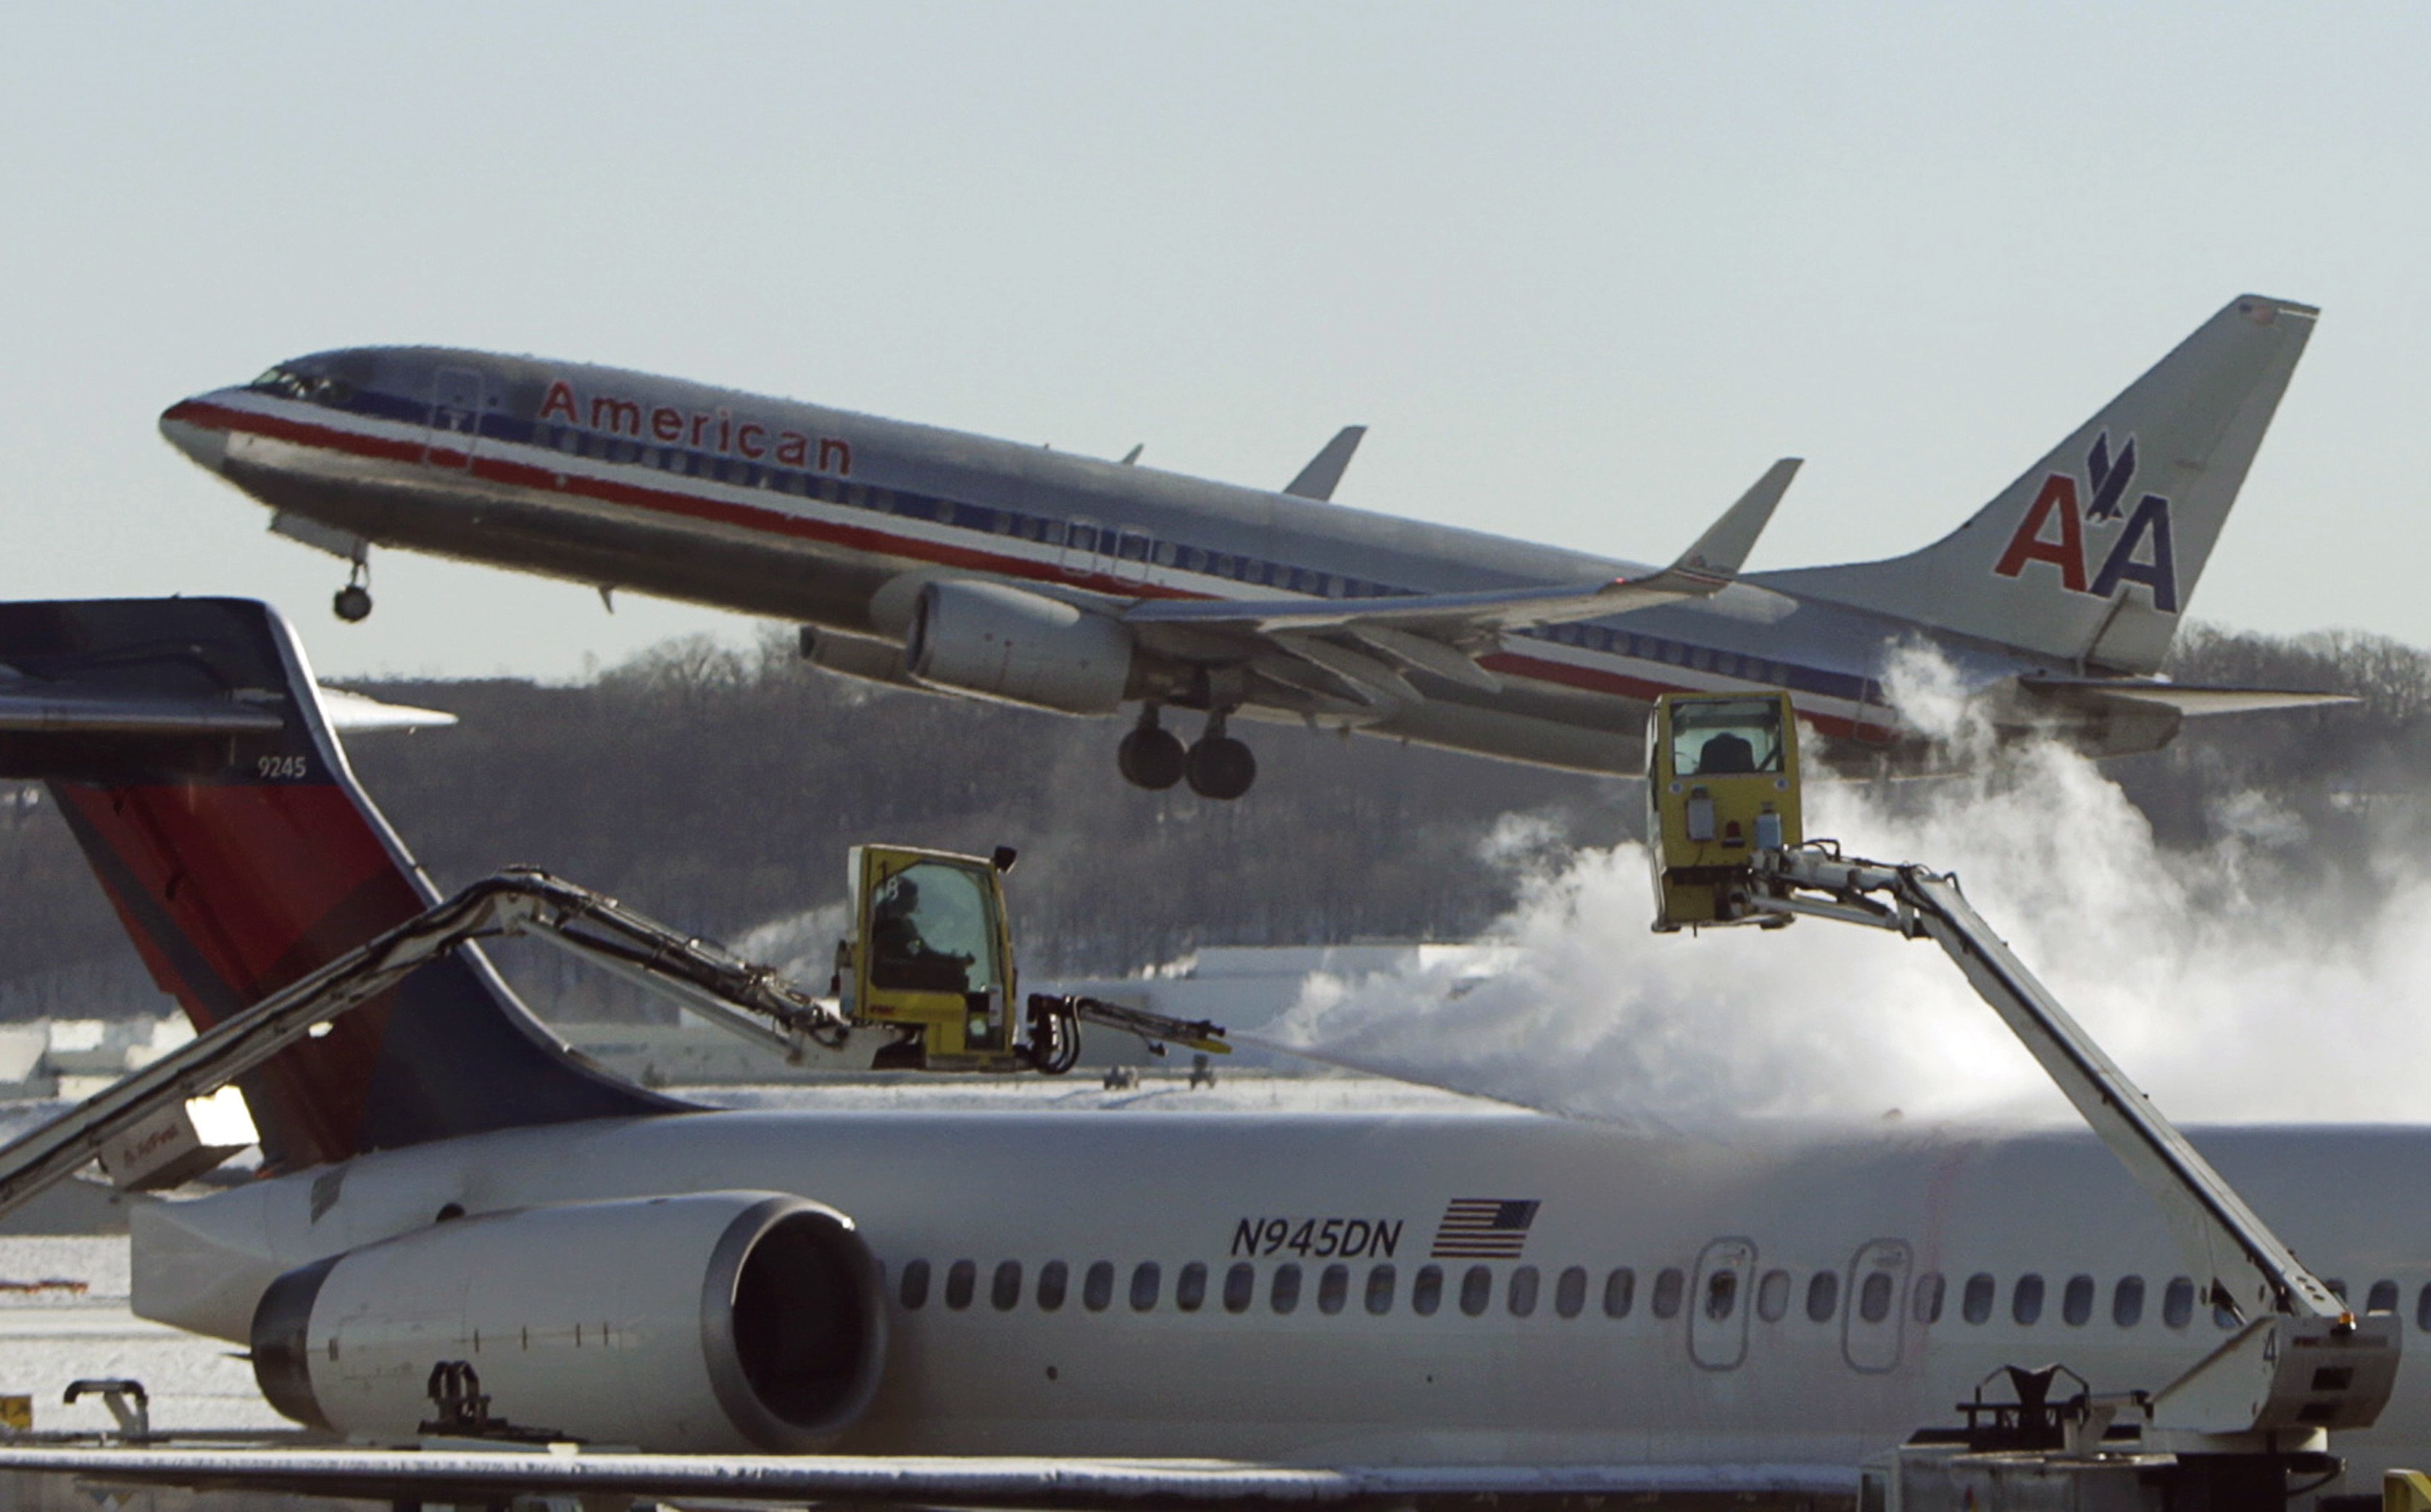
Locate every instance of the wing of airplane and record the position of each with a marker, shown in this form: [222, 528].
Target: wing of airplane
[2186, 698]
[1365, 645]
[491, 1476]
[356, 713]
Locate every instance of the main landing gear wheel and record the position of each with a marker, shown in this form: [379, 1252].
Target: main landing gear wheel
[1150, 756]
[1219, 766]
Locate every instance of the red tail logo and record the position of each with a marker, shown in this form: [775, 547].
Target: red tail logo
[2053, 531]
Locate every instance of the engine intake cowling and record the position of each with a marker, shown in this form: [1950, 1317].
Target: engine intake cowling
[993, 641]
[710, 1322]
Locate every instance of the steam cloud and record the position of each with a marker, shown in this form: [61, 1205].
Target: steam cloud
[2229, 982]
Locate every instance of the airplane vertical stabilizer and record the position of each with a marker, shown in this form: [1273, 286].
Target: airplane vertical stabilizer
[2090, 559]
[242, 855]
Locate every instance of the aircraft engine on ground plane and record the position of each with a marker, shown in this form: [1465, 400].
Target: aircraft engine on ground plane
[999, 642]
[710, 1322]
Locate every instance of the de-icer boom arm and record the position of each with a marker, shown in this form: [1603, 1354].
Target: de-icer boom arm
[2303, 1361]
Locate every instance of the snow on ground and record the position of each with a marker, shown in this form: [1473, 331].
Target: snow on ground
[51, 1334]
[1160, 1092]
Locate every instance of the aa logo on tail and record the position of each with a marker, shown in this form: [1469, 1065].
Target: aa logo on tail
[2053, 531]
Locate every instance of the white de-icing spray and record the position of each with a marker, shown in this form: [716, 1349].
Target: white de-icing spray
[2226, 988]
[799, 946]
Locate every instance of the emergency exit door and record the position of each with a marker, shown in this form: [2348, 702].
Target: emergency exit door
[1090, 550]
[1877, 1304]
[1079, 555]
[455, 417]
[1719, 1302]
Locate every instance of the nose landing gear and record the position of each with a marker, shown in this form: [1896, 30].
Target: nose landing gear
[352, 602]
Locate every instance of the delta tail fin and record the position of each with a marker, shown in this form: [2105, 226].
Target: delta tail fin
[2090, 559]
[184, 742]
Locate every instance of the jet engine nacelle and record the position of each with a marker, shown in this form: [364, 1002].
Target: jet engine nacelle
[993, 641]
[712, 1323]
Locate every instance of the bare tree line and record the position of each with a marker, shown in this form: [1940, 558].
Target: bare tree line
[719, 789]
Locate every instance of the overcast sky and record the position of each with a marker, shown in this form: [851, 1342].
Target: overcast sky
[1585, 270]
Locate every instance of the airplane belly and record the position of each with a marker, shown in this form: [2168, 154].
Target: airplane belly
[1316, 1394]
[1366, 1396]
[1571, 733]
[564, 535]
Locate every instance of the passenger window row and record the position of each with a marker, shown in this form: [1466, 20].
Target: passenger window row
[1522, 1292]
[1101, 543]
[1655, 648]
[1473, 1289]
[1105, 545]
[2080, 1297]
[1237, 1290]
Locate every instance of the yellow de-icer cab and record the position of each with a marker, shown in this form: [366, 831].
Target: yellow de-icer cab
[929, 950]
[929, 961]
[1722, 783]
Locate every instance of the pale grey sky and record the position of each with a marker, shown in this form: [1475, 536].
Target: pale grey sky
[1585, 270]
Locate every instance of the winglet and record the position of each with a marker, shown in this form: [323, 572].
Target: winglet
[1723, 548]
[1318, 479]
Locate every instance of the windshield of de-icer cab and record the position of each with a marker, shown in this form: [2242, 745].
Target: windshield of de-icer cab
[1723, 739]
[930, 929]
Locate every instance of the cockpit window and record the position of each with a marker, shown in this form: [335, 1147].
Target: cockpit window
[281, 382]
[288, 383]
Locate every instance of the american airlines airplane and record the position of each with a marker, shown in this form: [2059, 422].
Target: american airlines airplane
[988, 569]
[810, 1303]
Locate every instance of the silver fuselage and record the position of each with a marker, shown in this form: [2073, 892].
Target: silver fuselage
[828, 518]
[1810, 1361]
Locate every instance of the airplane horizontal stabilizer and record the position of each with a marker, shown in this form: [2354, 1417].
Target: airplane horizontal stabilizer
[478, 1477]
[1324, 471]
[2187, 698]
[356, 713]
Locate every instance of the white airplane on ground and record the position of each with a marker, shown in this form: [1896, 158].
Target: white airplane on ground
[807, 1305]
[965, 566]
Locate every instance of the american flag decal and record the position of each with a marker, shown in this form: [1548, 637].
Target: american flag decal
[1483, 1227]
